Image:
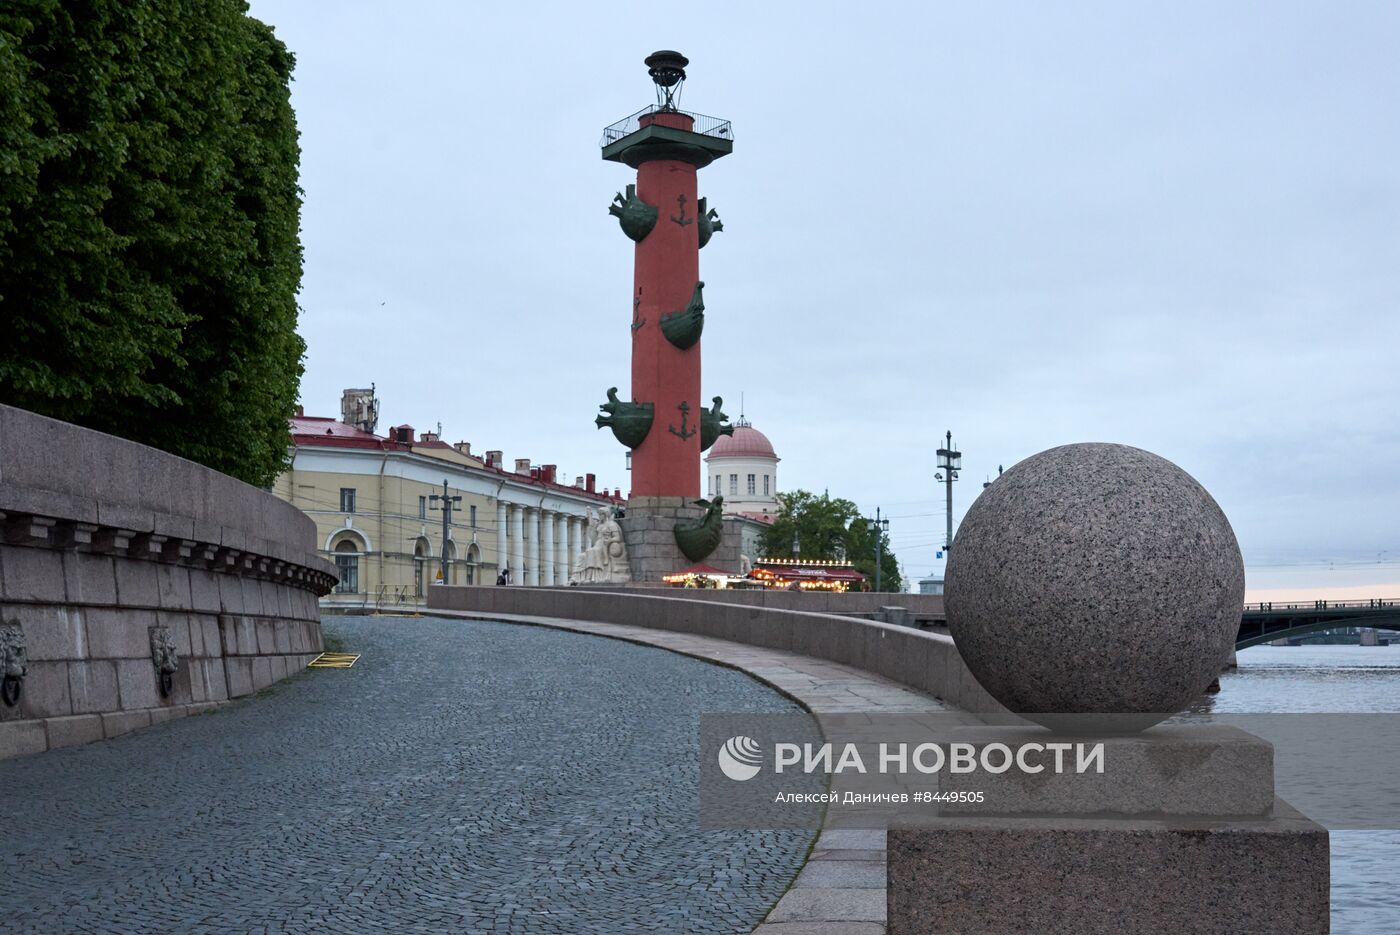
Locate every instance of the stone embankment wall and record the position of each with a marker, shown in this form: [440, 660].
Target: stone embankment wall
[923, 660]
[113, 555]
[922, 608]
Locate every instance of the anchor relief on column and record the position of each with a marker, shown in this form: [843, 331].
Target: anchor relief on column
[685, 431]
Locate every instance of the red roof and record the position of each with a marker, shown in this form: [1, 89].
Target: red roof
[746, 442]
[322, 432]
[700, 570]
[331, 433]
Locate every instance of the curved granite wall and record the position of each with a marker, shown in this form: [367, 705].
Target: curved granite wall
[923, 660]
[114, 555]
[922, 608]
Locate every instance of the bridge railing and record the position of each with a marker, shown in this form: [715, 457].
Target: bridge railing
[1265, 607]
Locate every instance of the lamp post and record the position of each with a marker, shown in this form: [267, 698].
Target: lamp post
[949, 464]
[879, 527]
[448, 503]
[989, 482]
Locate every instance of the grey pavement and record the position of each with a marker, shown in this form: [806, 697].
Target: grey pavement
[841, 891]
[465, 776]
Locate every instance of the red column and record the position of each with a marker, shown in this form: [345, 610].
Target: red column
[667, 268]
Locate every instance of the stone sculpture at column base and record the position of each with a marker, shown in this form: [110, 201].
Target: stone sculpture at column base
[604, 556]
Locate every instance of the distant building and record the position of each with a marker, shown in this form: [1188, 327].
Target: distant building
[743, 467]
[370, 498]
[933, 584]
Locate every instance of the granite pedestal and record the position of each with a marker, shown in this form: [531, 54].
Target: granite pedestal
[648, 528]
[1181, 832]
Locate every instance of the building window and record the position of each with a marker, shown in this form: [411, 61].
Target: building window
[422, 507]
[734, 485]
[473, 559]
[473, 516]
[347, 565]
[765, 485]
[347, 499]
[420, 567]
[751, 486]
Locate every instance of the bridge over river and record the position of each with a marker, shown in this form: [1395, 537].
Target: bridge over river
[1261, 622]
[1273, 620]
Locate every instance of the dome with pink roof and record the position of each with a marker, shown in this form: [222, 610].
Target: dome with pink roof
[746, 442]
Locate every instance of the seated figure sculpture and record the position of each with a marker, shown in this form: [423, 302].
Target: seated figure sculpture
[604, 559]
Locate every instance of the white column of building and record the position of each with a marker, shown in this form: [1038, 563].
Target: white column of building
[561, 557]
[517, 545]
[566, 551]
[532, 560]
[547, 548]
[580, 537]
[501, 560]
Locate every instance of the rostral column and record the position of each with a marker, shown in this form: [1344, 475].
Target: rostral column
[666, 423]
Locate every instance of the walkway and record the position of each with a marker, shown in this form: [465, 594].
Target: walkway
[841, 890]
[464, 777]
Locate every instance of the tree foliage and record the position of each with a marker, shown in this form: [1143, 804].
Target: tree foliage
[149, 219]
[829, 528]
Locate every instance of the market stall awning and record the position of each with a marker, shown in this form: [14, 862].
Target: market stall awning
[697, 570]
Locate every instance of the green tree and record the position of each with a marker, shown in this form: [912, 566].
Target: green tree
[149, 218]
[860, 549]
[827, 527]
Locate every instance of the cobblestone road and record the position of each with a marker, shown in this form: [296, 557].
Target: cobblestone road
[463, 777]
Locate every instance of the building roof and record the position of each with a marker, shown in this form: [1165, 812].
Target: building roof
[746, 442]
[322, 432]
[317, 430]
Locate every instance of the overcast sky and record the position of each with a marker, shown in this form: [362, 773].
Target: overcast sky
[1171, 225]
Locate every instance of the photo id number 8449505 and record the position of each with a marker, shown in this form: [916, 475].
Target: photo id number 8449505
[945, 797]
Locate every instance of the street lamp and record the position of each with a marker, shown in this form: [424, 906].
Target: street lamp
[879, 527]
[449, 503]
[949, 463]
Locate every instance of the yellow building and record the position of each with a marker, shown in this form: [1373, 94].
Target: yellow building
[377, 506]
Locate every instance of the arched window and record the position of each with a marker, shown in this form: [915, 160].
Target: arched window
[420, 566]
[347, 565]
[473, 559]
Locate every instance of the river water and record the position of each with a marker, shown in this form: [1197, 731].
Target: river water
[1331, 679]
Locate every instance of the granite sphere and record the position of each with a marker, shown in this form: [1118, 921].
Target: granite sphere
[1095, 579]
